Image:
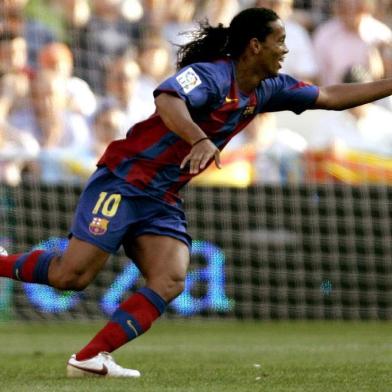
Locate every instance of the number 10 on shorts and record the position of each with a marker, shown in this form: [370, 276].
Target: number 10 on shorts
[107, 204]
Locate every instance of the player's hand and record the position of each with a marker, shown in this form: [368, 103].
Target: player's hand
[200, 154]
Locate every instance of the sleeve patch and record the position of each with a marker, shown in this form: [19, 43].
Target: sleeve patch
[188, 80]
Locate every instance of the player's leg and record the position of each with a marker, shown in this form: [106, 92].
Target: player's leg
[77, 267]
[163, 262]
[99, 225]
[73, 270]
[157, 241]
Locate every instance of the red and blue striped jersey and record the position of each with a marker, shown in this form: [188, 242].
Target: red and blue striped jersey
[150, 156]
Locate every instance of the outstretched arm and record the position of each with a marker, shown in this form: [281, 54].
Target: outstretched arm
[177, 118]
[348, 95]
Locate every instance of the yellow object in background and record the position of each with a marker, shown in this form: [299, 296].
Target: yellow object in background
[237, 169]
[236, 174]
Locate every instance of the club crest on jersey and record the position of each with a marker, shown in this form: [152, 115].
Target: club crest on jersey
[98, 226]
[188, 80]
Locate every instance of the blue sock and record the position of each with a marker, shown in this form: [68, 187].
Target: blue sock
[32, 267]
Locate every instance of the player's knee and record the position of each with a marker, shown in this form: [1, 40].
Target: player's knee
[177, 287]
[168, 287]
[174, 286]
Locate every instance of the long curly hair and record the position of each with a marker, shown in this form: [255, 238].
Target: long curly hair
[209, 43]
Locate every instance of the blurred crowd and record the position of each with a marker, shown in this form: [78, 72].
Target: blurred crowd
[77, 74]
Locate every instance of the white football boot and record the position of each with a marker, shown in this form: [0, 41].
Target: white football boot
[101, 365]
[3, 252]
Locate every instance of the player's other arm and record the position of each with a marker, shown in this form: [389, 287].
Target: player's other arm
[345, 96]
[176, 116]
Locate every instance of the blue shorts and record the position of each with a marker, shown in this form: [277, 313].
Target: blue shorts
[111, 213]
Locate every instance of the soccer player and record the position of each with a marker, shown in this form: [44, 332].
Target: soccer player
[227, 75]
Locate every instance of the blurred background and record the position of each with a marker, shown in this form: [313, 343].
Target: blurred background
[297, 224]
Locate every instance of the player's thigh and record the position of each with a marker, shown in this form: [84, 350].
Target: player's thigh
[83, 258]
[161, 257]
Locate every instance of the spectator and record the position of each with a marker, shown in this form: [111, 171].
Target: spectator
[71, 16]
[358, 39]
[261, 153]
[179, 20]
[75, 14]
[383, 11]
[122, 85]
[181, 14]
[13, 53]
[107, 34]
[155, 14]
[300, 61]
[277, 151]
[155, 63]
[366, 128]
[311, 13]
[47, 119]
[14, 73]
[223, 11]
[107, 123]
[106, 126]
[36, 34]
[131, 10]
[219, 11]
[58, 57]
[17, 151]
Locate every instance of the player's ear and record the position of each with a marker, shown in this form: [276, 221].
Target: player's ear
[255, 46]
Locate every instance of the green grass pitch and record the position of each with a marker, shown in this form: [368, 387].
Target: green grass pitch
[208, 356]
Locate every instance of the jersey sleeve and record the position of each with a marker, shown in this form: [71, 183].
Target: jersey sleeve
[197, 85]
[286, 93]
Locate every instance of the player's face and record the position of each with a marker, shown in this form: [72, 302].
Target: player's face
[273, 49]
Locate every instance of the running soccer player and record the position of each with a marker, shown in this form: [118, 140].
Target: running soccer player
[227, 75]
